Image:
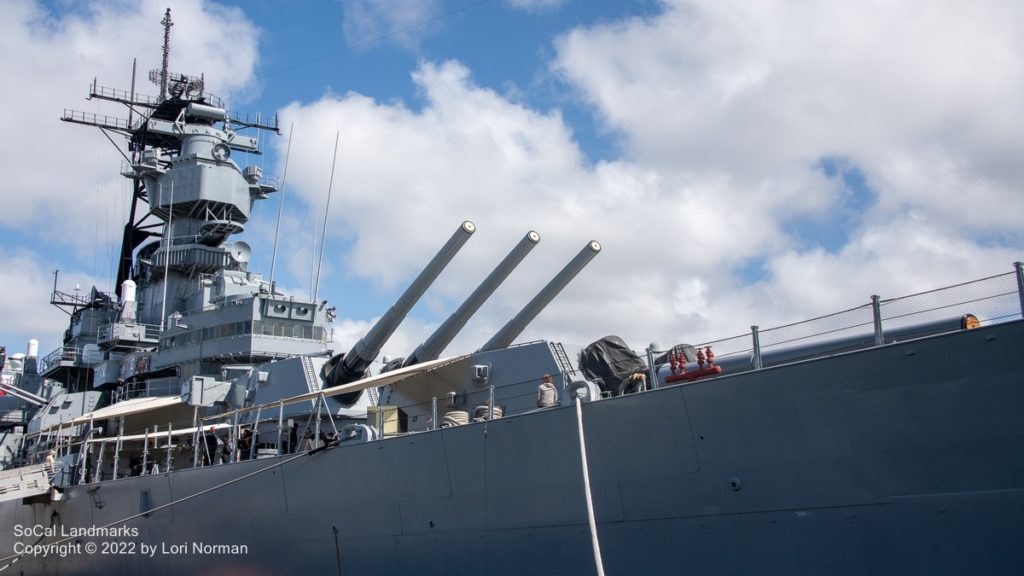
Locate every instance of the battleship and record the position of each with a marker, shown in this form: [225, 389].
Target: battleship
[197, 420]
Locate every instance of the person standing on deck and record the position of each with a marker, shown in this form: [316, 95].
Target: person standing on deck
[547, 394]
[51, 464]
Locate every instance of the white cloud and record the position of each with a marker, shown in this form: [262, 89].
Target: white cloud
[418, 174]
[746, 100]
[401, 21]
[406, 177]
[535, 5]
[899, 89]
[26, 281]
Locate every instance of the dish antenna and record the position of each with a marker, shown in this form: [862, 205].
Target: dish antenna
[240, 251]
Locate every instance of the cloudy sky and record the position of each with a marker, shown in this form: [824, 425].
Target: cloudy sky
[740, 162]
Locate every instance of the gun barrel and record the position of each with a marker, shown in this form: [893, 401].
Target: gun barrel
[23, 394]
[432, 347]
[516, 325]
[366, 350]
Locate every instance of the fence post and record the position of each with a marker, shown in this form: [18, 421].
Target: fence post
[280, 427]
[876, 311]
[170, 441]
[651, 368]
[145, 452]
[196, 434]
[490, 403]
[757, 347]
[1020, 284]
[117, 445]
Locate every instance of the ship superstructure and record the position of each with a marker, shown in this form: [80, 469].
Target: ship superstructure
[193, 344]
[188, 316]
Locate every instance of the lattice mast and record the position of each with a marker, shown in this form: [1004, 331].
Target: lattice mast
[167, 23]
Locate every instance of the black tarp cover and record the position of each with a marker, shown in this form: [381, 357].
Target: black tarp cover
[608, 361]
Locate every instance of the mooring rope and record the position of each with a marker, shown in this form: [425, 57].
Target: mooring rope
[586, 489]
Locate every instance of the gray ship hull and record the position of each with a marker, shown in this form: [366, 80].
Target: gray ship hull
[902, 459]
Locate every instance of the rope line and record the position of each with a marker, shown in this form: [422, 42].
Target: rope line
[586, 489]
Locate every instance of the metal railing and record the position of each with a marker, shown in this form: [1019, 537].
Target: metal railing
[118, 94]
[62, 354]
[150, 331]
[991, 300]
[170, 386]
[93, 119]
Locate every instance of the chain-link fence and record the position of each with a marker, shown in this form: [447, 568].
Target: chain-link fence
[992, 300]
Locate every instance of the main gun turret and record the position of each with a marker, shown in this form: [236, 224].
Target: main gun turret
[345, 368]
[432, 347]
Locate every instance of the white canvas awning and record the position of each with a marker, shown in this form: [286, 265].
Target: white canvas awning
[385, 379]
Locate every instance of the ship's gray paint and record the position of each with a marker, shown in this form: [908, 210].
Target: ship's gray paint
[292, 377]
[63, 407]
[903, 459]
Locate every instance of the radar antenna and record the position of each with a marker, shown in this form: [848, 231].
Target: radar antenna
[173, 84]
[167, 53]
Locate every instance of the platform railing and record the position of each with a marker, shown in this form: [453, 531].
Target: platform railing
[169, 386]
[151, 331]
[62, 354]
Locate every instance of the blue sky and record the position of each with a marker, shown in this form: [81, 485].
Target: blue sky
[742, 163]
[307, 47]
